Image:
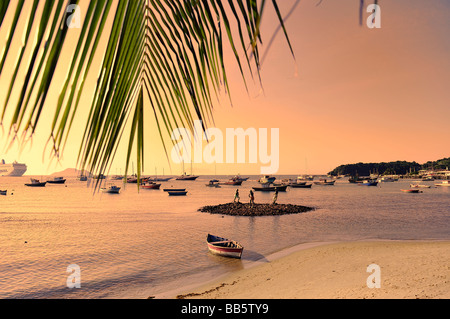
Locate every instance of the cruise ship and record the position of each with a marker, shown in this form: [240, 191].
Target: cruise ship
[14, 169]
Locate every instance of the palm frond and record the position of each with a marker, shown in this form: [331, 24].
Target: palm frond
[163, 56]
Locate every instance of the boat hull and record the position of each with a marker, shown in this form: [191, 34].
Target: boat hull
[57, 182]
[324, 183]
[411, 191]
[369, 184]
[177, 193]
[151, 186]
[186, 178]
[111, 190]
[224, 247]
[40, 184]
[235, 183]
[300, 186]
[159, 179]
[271, 189]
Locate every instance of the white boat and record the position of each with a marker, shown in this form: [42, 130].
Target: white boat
[443, 184]
[387, 180]
[239, 178]
[428, 178]
[213, 183]
[323, 181]
[57, 180]
[14, 169]
[305, 178]
[267, 179]
[111, 190]
[419, 186]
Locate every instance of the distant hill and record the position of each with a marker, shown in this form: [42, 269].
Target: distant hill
[389, 168]
[67, 172]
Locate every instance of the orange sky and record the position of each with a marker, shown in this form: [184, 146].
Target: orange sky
[353, 94]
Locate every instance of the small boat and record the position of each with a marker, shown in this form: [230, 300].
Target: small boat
[299, 185]
[369, 182]
[111, 190]
[159, 179]
[174, 189]
[267, 188]
[443, 184]
[224, 247]
[213, 183]
[324, 182]
[411, 191]
[83, 178]
[150, 185]
[134, 180]
[305, 178]
[267, 179]
[57, 180]
[239, 178]
[186, 177]
[387, 180]
[177, 193]
[355, 180]
[419, 186]
[36, 183]
[290, 181]
[427, 178]
[232, 182]
[3, 192]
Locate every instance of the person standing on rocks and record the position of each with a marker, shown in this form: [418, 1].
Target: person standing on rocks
[252, 198]
[275, 197]
[236, 196]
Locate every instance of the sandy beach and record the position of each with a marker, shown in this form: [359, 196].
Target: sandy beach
[407, 270]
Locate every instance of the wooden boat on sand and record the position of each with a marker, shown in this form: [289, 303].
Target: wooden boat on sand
[224, 247]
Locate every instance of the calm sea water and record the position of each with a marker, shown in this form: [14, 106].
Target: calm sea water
[139, 244]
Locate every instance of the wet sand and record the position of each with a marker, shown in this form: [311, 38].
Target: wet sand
[407, 270]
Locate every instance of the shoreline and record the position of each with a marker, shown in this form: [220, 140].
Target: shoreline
[409, 269]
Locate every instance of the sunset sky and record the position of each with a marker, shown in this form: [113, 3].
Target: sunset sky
[352, 94]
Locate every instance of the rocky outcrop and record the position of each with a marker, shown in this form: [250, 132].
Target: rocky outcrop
[240, 209]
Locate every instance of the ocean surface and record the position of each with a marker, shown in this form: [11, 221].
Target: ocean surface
[141, 244]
